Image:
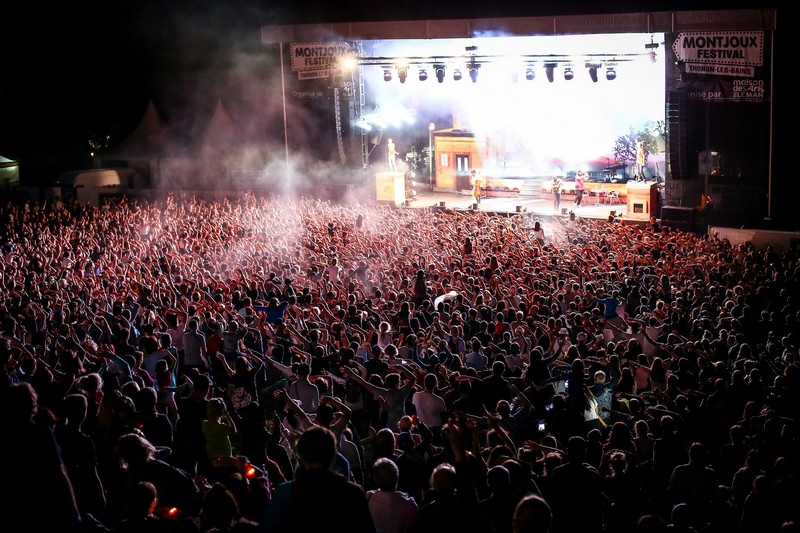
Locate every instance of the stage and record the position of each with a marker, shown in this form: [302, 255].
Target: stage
[542, 207]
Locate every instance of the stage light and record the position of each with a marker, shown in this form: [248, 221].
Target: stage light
[651, 48]
[530, 73]
[611, 74]
[439, 71]
[348, 63]
[402, 73]
[548, 69]
[568, 74]
[423, 74]
[593, 70]
[387, 74]
[457, 74]
[473, 71]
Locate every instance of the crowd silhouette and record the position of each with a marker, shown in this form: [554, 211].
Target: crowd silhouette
[273, 363]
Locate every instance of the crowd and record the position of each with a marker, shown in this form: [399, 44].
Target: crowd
[266, 363]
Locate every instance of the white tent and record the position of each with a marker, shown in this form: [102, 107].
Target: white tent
[91, 185]
[9, 171]
[96, 178]
[150, 139]
[220, 133]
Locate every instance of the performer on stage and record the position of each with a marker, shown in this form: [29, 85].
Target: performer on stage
[580, 177]
[555, 188]
[477, 183]
[640, 160]
[392, 155]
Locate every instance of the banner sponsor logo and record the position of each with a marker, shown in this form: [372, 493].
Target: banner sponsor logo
[315, 60]
[722, 66]
[307, 94]
[720, 70]
[313, 74]
[744, 48]
[737, 90]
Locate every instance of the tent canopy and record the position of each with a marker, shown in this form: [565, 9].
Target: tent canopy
[95, 178]
[9, 171]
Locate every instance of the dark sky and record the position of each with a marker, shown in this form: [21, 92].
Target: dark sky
[75, 70]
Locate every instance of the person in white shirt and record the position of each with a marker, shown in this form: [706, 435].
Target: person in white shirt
[194, 348]
[392, 511]
[302, 390]
[538, 232]
[333, 269]
[430, 407]
[391, 155]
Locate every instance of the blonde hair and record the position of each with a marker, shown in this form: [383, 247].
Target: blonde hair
[215, 408]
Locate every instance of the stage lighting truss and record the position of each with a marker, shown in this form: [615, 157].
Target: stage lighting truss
[471, 64]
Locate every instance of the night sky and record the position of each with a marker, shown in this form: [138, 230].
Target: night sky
[76, 71]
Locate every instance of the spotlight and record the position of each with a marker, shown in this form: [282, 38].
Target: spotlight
[387, 74]
[473, 71]
[611, 74]
[530, 73]
[402, 73]
[651, 48]
[568, 74]
[439, 70]
[548, 69]
[423, 74]
[593, 70]
[457, 74]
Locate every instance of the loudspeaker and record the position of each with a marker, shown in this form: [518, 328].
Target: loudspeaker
[679, 218]
[678, 122]
[677, 214]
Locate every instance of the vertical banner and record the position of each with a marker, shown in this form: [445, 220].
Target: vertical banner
[319, 95]
[720, 123]
[723, 65]
[314, 60]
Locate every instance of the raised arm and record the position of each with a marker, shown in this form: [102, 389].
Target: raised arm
[277, 365]
[342, 408]
[372, 389]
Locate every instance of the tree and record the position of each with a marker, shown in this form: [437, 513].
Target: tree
[625, 145]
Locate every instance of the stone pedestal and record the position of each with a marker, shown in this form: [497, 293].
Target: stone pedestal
[642, 200]
[390, 187]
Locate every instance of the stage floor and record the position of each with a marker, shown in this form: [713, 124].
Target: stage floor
[589, 208]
